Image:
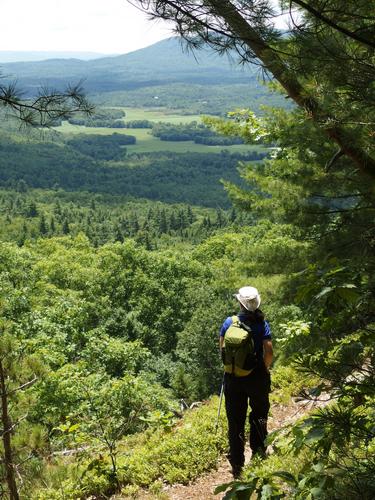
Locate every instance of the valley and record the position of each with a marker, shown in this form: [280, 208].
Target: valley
[147, 143]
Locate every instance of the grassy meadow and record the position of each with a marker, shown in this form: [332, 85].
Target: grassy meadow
[159, 115]
[147, 143]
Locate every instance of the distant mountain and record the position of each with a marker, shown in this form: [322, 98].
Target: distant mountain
[9, 56]
[162, 63]
[161, 75]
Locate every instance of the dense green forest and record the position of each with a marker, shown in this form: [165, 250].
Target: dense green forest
[100, 164]
[27, 214]
[118, 268]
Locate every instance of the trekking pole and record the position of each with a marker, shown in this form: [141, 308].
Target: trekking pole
[221, 400]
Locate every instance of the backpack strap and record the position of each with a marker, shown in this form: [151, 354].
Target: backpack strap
[245, 327]
[236, 320]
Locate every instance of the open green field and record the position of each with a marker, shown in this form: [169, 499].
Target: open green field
[159, 115]
[147, 143]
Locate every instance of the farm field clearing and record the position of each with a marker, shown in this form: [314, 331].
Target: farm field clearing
[158, 115]
[147, 143]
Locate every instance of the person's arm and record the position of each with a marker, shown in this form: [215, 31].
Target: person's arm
[267, 353]
[221, 342]
[223, 329]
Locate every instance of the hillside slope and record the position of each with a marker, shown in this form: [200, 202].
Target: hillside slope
[163, 62]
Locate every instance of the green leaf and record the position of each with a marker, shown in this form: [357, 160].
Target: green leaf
[302, 483]
[241, 493]
[222, 487]
[322, 293]
[244, 486]
[319, 467]
[237, 490]
[335, 271]
[347, 293]
[267, 492]
[286, 476]
[316, 391]
[316, 492]
[74, 427]
[272, 436]
[314, 434]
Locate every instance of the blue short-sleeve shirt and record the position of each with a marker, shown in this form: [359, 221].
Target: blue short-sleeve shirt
[261, 331]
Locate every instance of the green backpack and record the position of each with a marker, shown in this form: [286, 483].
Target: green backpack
[238, 349]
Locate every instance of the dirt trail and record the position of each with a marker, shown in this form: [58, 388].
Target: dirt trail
[204, 486]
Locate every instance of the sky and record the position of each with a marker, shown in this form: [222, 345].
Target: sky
[104, 26]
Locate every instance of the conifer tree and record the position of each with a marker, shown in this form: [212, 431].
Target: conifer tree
[219, 218]
[23, 235]
[163, 225]
[57, 208]
[118, 235]
[134, 224]
[31, 210]
[190, 215]
[329, 42]
[173, 222]
[65, 227]
[52, 225]
[43, 228]
[182, 220]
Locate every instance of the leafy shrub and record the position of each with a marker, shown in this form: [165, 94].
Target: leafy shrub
[288, 382]
[189, 449]
[177, 454]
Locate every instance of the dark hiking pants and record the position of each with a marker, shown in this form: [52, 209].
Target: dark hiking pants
[252, 390]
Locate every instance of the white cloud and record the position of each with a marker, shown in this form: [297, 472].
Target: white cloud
[108, 26]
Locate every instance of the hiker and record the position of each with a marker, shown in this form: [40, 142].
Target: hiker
[249, 383]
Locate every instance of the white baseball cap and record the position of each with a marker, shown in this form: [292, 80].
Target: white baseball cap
[249, 297]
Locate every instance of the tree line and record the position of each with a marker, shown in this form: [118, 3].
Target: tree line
[26, 215]
[99, 164]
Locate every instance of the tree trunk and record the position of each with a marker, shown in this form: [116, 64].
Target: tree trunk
[7, 429]
[274, 64]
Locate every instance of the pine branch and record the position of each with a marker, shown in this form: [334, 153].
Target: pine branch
[45, 108]
[326, 20]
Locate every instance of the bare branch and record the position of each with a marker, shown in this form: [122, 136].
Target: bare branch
[333, 160]
[23, 386]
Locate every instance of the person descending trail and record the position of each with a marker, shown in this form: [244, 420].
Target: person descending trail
[246, 350]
